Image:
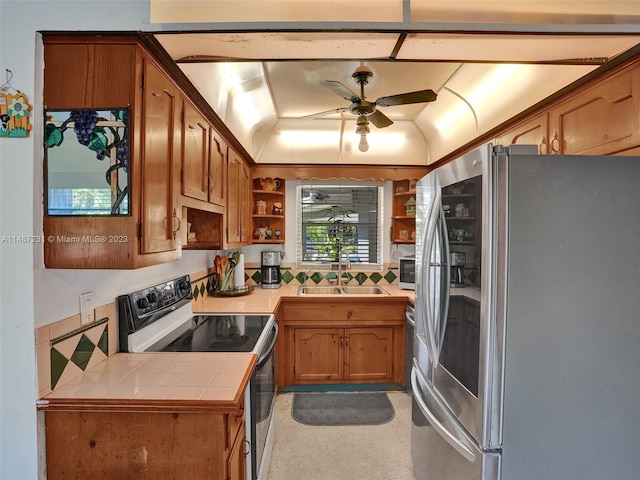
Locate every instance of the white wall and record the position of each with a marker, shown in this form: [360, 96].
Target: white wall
[25, 288]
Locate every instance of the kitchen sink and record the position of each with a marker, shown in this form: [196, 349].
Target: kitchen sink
[364, 290]
[318, 290]
[346, 290]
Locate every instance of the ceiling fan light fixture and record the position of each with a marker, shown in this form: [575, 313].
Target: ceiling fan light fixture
[362, 125]
[363, 146]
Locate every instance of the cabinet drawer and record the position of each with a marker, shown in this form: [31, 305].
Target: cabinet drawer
[314, 312]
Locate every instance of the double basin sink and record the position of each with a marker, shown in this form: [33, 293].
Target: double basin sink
[341, 290]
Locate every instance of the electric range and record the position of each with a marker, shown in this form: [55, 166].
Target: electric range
[160, 319]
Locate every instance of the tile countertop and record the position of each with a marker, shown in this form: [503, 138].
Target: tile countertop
[265, 300]
[158, 381]
[183, 381]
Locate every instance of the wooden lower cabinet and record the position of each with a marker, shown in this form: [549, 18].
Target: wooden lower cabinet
[369, 354]
[236, 463]
[356, 341]
[144, 445]
[318, 354]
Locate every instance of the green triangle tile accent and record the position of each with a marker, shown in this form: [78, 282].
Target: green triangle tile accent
[202, 289]
[82, 354]
[331, 276]
[301, 276]
[316, 277]
[361, 278]
[103, 343]
[208, 284]
[257, 277]
[58, 364]
[196, 293]
[390, 277]
[287, 277]
[375, 277]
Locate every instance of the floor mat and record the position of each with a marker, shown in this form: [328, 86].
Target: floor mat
[342, 408]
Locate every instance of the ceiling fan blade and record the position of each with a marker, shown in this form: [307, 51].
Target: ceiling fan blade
[340, 89]
[326, 113]
[407, 98]
[379, 119]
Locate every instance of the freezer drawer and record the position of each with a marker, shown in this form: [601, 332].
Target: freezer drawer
[440, 448]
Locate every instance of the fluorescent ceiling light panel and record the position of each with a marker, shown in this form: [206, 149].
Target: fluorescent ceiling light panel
[279, 45]
[208, 11]
[513, 48]
[526, 11]
[310, 138]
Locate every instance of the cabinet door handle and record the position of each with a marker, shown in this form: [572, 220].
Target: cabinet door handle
[555, 143]
[248, 449]
[175, 216]
[212, 180]
[541, 149]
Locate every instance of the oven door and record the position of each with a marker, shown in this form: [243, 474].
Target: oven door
[263, 393]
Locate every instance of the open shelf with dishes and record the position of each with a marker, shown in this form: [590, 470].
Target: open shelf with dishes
[268, 195]
[403, 215]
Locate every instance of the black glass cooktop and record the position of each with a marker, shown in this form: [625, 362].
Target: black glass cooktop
[216, 333]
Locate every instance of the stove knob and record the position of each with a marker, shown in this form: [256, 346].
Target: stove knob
[183, 288]
[143, 302]
[152, 297]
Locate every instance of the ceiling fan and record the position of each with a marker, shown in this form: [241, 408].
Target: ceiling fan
[368, 111]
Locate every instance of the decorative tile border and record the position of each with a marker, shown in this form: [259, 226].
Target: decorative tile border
[201, 281]
[65, 349]
[292, 276]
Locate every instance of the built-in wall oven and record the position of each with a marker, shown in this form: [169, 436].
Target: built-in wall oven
[160, 319]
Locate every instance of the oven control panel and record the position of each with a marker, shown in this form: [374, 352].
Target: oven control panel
[159, 297]
[143, 307]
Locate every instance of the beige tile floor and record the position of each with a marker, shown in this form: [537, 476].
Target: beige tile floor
[380, 452]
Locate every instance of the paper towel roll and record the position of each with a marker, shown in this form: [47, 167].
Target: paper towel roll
[238, 273]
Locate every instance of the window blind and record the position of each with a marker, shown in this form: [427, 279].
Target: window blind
[339, 217]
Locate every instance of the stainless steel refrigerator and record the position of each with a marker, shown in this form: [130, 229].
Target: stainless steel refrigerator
[527, 347]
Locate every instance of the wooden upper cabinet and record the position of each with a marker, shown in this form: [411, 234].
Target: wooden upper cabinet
[203, 157]
[237, 212]
[82, 74]
[195, 153]
[104, 73]
[161, 151]
[533, 131]
[600, 120]
[217, 162]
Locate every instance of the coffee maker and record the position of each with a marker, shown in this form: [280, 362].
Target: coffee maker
[458, 259]
[270, 270]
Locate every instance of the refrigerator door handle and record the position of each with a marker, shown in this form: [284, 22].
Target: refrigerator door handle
[445, 278]
[450, 438]
[427, 246]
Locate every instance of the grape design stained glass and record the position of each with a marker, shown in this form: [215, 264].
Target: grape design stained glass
[87, 162]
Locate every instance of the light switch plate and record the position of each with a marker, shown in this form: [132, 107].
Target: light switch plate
[86, 308]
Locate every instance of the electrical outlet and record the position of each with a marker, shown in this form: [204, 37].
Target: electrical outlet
[86, 308]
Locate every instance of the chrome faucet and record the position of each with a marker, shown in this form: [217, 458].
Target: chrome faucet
[306, 277]
[347, 264]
